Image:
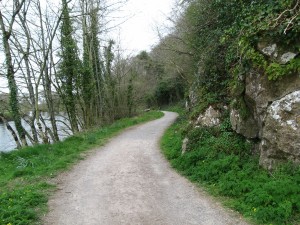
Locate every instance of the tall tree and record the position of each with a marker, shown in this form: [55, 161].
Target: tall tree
[95, 59]
[10, 70]
[46, 79]
[110, 83]
[87, 84]
[69, 66]
[92, 87]
[25, 51]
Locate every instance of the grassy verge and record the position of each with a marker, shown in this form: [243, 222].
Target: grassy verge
[222, 163]
[24, 174]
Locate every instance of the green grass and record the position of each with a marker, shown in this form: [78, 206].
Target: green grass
[221, 162]
[25, 174]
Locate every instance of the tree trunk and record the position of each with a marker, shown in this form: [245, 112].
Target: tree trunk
[49, 100]
[11, 130]
[28, 76]
[10, 75]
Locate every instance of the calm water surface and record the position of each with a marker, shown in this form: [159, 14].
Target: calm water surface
[7, 142]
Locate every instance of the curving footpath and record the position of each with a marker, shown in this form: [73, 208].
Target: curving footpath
[128, 182]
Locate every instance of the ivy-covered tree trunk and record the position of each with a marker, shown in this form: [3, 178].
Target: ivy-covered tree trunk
[110, 82]
[96, 63]
[68, 68]
[86, 88]
[92, 87]
[26, 51]
[130, 96]
[10, 73]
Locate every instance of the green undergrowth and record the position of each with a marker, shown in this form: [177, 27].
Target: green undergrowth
[221, 161]
[177, 107]
[25, 174]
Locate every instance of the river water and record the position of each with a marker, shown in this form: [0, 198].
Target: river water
[7, 142]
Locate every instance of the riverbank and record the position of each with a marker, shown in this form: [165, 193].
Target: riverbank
[221, 162]
[7, 142]
[25, 175]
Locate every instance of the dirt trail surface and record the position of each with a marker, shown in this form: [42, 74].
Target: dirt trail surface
[128, 182]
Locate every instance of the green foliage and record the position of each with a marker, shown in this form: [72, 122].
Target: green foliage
[178, 107]
[152, 67]
[204, 23]
[221, 161]
[156, 84]
[143, 55]
[130, 99]
[24, 175]
[150, 100]
[168, 91]
[262, 21]
[276, 71]
[69, 66]
[207, 98]
[223, 37]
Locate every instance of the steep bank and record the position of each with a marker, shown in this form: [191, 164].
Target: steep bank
[252, 71]
[222, 162]
[272, 110]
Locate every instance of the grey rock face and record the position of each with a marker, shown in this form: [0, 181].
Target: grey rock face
[281, 133]
[272, 108]
[210, 118]
[274, 112]
[270, 50]
[274, 115]
[276, 53]
[286, 57]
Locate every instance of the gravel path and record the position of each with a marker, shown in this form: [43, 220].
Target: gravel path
[128, 182]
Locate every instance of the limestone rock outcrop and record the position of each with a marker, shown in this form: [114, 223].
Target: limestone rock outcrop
[211, 117]
[274, 111]
[266, 111]
[280, 139]
[276, 53]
